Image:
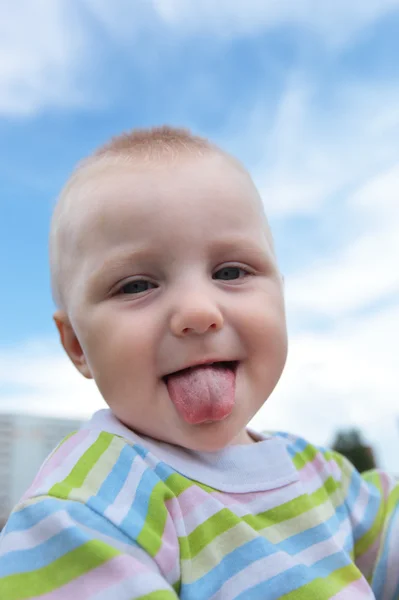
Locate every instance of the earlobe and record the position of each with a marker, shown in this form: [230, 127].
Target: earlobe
[71, 343]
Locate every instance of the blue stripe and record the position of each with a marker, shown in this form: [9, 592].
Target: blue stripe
[134, 521]
[298, 446]
[256, 549]
[116, 478]
[396, 593]
[313, 535]
[354, 490]
[296, 577]
[141, 451]
[231, 564]
[164, 471]
[159, 467]
[32, 515]
[20, 561]
[370, 513]
[383, 571]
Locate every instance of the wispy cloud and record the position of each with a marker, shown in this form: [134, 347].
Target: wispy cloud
[49, 50]
[42, 49]
[365, 270]
[318, 149]
[37, 377]
[336, 21]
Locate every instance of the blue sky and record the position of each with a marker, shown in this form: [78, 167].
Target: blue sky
[307, 97]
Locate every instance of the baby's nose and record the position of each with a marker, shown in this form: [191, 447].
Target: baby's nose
[196, 317]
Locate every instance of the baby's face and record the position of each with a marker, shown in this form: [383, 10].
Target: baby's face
[175, 269]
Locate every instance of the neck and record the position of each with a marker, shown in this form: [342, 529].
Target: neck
[244, 437]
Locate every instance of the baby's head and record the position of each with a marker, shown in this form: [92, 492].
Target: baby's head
[161, 260]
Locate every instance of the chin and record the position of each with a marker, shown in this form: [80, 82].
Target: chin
[210, 437]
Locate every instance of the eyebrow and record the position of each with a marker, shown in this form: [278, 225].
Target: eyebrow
[122, 260]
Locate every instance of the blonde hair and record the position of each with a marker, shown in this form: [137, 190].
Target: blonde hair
[141, 145]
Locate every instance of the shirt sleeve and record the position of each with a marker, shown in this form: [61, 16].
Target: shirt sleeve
[53, 548]
[372, 502]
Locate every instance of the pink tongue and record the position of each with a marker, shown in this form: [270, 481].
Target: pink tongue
[203, 393]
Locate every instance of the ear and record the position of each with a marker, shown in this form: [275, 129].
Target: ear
[71, 343]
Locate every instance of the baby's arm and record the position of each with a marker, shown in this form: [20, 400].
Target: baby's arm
[53, 548]
[372, 500]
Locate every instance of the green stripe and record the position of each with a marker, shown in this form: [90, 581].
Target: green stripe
[150, 537]
[82, 468]
[205, 533]
[393, 501]
[300, 459]
[176, 586]
[159, 595]
[292, 508]
[368, 539]
[329, 454]
[386, 508]
[178, 484]
[63, 570]
[325, 588]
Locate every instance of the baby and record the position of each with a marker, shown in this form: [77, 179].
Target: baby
[169, 296]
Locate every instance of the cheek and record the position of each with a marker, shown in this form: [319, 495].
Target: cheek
[264, 324]
[119, 350]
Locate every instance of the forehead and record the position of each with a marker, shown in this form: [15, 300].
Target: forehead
[144, 200]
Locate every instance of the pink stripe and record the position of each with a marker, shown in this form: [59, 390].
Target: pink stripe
[360, 506]
[168, 555]
[318, 467]
[56, 460]
[366, 562]
[110, 573]
[187, 501]
[387, 483]
[229, 499]
[357, 590]
[191, 499]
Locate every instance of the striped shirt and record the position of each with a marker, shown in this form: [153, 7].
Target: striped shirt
[115, 516]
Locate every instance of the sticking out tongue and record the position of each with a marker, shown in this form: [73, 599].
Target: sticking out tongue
[204, 393]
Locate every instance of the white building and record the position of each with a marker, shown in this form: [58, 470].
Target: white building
[25, 441]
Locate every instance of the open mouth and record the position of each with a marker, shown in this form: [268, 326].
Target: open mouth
[229, 364]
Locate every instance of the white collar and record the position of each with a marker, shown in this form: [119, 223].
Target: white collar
[262, 466]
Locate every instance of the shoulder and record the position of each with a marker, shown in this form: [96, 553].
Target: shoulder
[89, 463]
[314, 460]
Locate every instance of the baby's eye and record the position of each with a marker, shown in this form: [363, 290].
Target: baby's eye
[228, 273]
[136, 287]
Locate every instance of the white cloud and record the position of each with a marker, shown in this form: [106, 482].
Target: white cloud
[37, 377]
[341, 161]
[42, 48]
[336, 21]
[315, 152]
[48, 49]
[363, 272]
